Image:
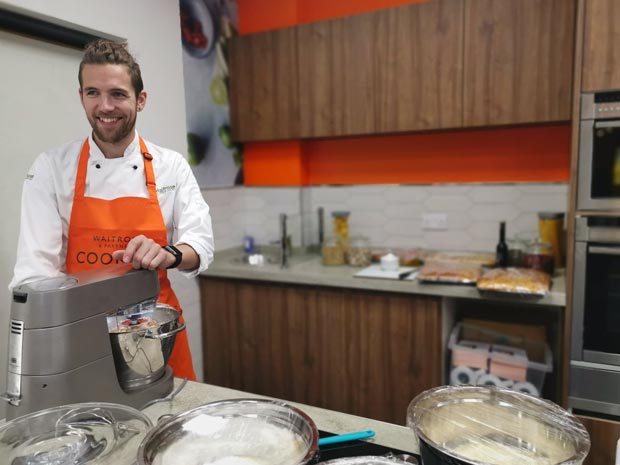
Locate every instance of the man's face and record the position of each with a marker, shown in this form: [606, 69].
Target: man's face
[110, 102]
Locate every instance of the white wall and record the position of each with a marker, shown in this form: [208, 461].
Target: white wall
[153, 31]
[39, 106]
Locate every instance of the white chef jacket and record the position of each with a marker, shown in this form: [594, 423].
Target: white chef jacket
[47, 200]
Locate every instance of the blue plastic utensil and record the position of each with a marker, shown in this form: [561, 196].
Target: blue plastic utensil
[346, 437]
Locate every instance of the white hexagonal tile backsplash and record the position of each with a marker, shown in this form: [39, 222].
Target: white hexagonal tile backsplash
[389, 215]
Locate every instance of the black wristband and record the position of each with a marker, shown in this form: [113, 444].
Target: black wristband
[178, 255]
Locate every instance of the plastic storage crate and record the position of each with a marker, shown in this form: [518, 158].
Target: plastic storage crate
[513, 362]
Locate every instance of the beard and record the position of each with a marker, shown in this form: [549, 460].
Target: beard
[113, 136]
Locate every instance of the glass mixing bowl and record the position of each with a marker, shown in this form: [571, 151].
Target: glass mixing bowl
[87, 433]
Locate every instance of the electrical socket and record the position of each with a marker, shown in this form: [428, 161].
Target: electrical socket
[437, 221]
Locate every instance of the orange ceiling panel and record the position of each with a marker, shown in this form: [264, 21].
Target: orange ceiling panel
[319, 10]
[263, 15]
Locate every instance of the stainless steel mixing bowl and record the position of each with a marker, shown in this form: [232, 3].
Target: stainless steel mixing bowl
[141, 351]
[489, 425]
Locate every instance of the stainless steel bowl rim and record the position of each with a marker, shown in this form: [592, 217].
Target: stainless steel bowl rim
[363, 460]
[181, 418]
[575, 459]
[174, 318]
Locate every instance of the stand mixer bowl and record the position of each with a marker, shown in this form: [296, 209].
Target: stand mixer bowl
[142, 338]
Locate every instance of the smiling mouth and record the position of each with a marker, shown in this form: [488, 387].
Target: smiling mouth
[108, 120]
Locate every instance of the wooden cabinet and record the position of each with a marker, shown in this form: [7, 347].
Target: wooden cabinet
[360, 352]
[430, 65]
[604, 435]
[601, 45]
[393, 70]
[264, 86]
[518, 61]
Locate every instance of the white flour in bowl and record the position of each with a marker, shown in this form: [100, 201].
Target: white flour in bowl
[233, 441]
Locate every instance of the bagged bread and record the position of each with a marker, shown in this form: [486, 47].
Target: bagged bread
[447, 271]
[515, 280]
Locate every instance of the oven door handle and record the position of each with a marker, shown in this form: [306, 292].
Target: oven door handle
[604, 250]
[607, 124]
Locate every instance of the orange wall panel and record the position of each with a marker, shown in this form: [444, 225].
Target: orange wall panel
[274, 164]
[500, 155]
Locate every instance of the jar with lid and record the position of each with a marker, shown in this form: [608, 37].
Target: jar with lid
[332, 252]
[340, 227]
[551, 230]
[539, 256]
[358, 253]
[516, 250]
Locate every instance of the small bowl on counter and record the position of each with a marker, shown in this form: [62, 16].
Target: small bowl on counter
[406, 256]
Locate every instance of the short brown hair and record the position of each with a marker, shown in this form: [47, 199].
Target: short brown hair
[104, 51]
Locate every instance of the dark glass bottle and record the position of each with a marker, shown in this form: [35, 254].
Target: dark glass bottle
[501, 252]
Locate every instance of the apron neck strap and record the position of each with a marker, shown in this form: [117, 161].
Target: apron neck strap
[148, 169]
[80, 178]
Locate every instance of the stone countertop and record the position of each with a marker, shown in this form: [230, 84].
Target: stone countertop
[196, 394]
[307, 269]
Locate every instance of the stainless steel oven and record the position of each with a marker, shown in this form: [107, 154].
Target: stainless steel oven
[595, 341]
[598, 185]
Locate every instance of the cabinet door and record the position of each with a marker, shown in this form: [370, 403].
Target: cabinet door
[518, 61]
[358, 352]
[393, 70]
[264, 86]
[604, 435]
[601, 50]
[380, 351]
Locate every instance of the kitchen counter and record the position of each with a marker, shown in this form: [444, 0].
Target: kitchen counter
[195, 394]
[307, 269]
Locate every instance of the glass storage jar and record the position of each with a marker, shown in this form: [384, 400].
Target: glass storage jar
[516, 250]
[539, 256]
[551, 230]
[332, 252]
[340, 227]
[358, 253]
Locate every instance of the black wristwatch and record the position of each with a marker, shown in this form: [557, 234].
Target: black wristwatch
[178, 255]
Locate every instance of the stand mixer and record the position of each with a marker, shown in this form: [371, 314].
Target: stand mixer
[62, 349]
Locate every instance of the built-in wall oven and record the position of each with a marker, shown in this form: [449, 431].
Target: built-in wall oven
[595, 338]
[598, 178]
[595, 341]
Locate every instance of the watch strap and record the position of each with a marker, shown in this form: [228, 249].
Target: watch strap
[178, 255]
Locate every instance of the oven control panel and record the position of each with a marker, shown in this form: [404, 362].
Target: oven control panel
[601, 105]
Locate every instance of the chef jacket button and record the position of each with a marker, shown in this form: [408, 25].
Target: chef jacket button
[97, 166]
[135, 167]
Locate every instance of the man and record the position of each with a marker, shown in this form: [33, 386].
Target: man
[114, 197]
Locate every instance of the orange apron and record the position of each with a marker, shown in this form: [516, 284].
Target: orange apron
[98, 227]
